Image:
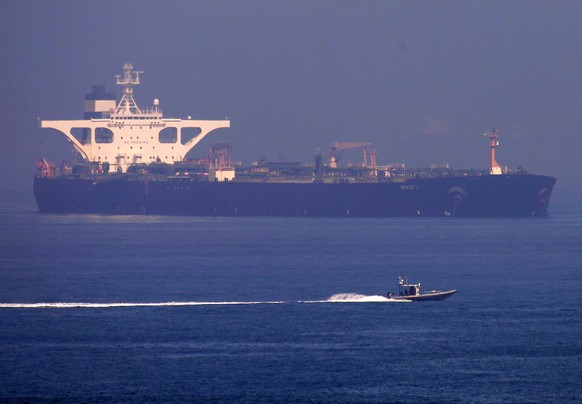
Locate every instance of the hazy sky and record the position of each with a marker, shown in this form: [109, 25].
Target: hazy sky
[421, 80]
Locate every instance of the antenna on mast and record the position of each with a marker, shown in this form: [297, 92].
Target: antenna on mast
[130, 78]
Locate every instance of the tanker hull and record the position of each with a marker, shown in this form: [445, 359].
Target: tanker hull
[509, 195]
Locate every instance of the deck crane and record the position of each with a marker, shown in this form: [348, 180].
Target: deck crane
[336, 149]
[220, 155]
[220, 167]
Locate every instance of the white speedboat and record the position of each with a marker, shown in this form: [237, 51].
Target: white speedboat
[411, 291]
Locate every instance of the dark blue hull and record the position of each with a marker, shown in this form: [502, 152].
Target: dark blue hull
[511, 195]
[425, 297]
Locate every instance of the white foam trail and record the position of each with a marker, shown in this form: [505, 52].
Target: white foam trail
[67, 305]
[356, 298]
[337, 298]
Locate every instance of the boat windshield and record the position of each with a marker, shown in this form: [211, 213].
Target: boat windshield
[409, 290]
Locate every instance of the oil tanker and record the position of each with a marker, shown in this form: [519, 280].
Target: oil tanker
[133, 161]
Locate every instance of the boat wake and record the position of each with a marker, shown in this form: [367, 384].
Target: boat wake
[337, 298]
[356, 298]
[66, 305]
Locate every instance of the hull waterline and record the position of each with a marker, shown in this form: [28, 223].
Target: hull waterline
[517, 195]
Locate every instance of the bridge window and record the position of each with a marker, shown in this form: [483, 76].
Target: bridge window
[83, 135]
[103, 135]
[189, 134]
[168, 135]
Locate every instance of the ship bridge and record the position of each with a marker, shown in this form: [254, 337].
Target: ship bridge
[123, 134]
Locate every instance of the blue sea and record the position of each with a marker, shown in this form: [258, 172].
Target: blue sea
[185, 309]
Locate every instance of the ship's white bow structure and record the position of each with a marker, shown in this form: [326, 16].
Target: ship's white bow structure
[124, 134]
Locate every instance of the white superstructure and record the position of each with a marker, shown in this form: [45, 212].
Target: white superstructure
[128, 135]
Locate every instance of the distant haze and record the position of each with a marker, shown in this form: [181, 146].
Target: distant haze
[420, 80]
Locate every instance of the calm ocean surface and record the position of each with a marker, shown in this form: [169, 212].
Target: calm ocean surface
[175, 309]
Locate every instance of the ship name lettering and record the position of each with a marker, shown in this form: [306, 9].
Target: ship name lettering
[408, 187]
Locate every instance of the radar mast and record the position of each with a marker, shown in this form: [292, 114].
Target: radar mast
[127, 105]
[494, 167]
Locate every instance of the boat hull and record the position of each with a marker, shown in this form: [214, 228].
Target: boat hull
[435, 295]
[514, 195]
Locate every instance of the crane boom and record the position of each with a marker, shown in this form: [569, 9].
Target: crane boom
[336, 149]
[341, 146]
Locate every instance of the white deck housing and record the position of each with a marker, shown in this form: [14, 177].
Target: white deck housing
[128, 135]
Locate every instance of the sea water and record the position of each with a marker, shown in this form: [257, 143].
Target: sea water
[182, 309]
